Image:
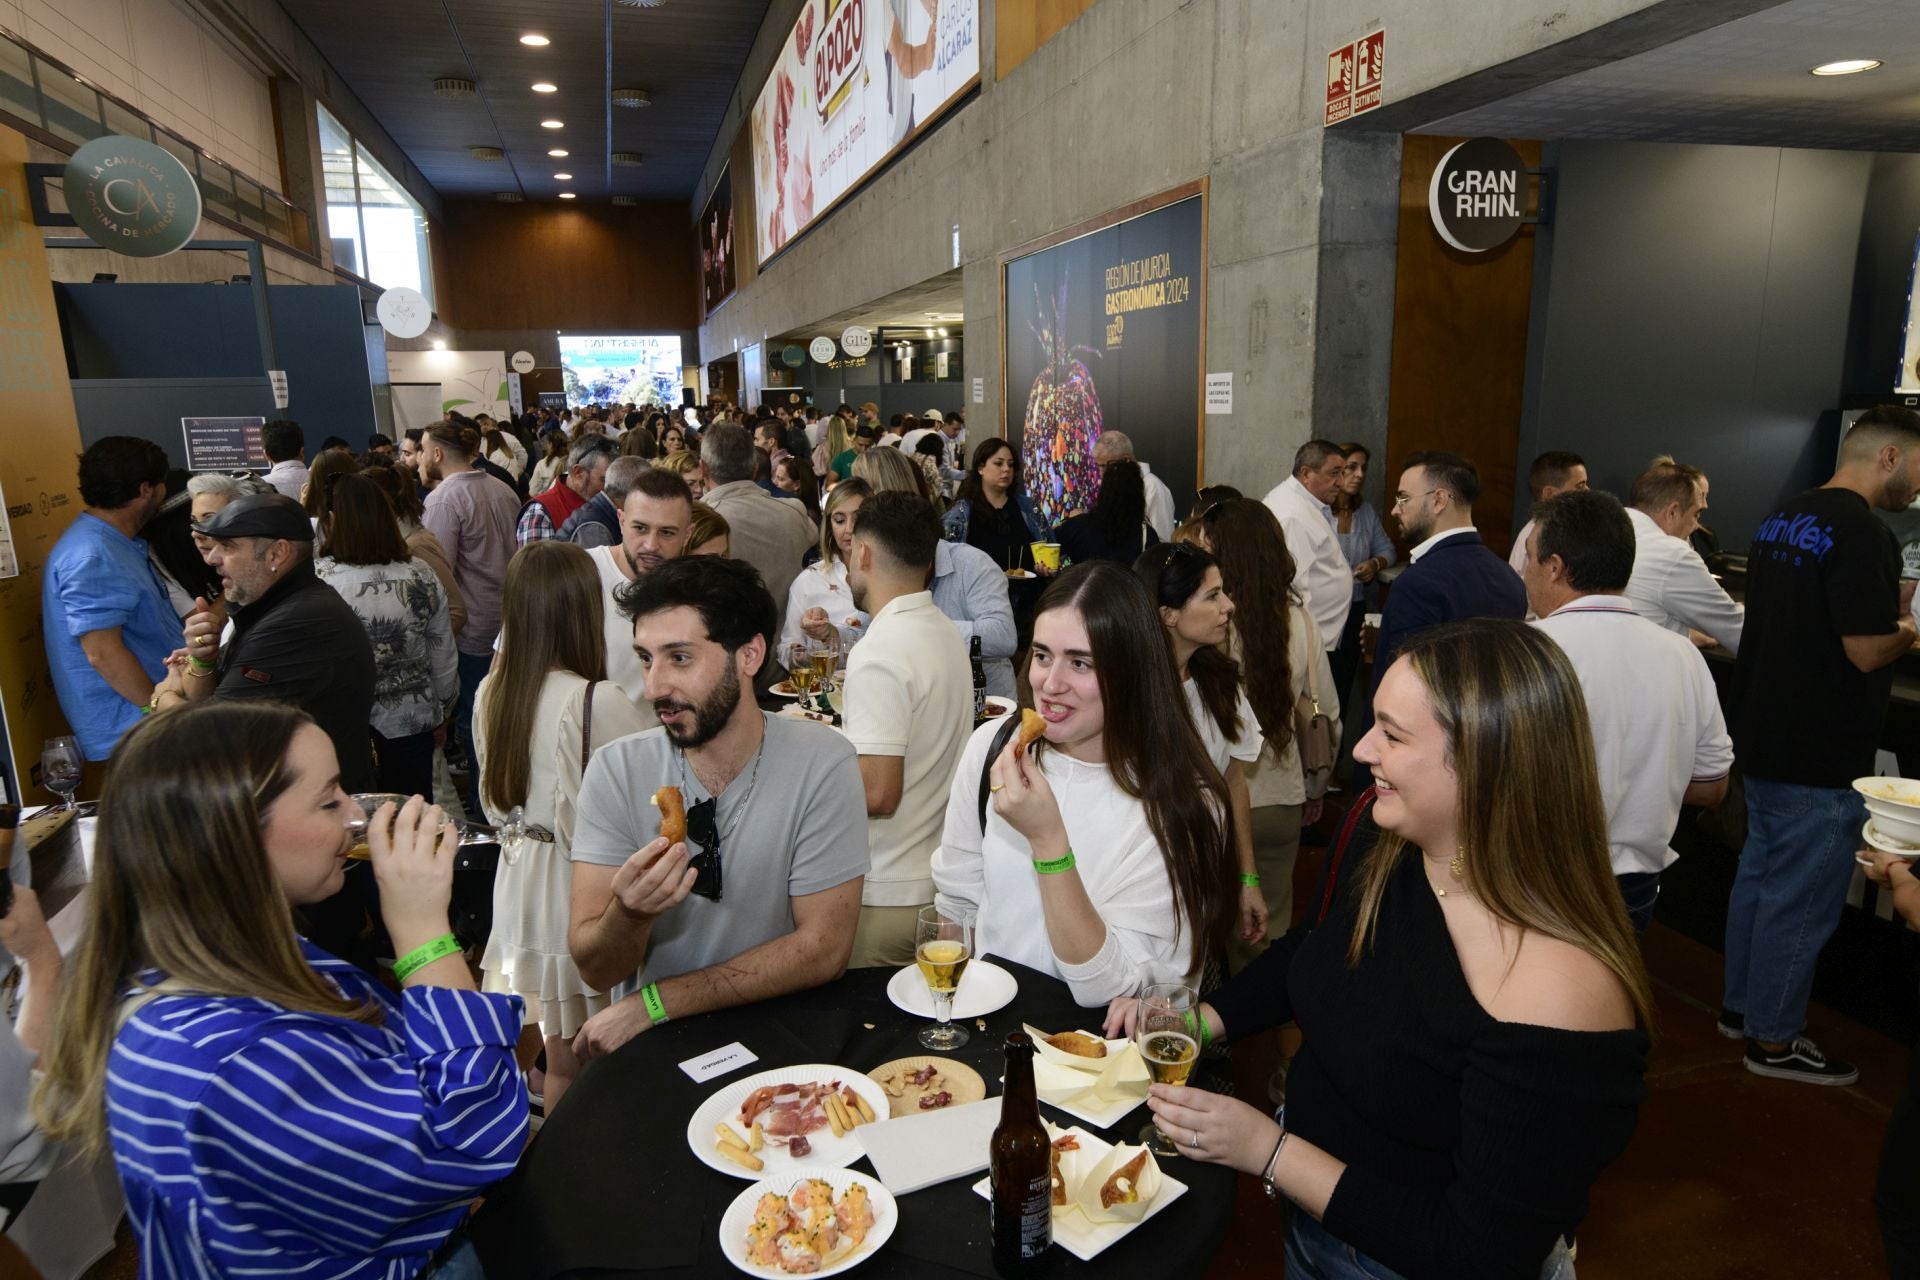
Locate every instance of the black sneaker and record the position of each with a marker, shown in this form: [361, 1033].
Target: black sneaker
[1802, 1061]
[1733, 1024]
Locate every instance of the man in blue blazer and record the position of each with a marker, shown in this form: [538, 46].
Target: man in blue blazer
[1451, 575]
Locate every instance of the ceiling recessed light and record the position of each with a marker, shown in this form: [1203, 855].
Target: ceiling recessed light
[563, 177]
[558, 153]
[552, 124]
[566, 195]
[542, 86]
[536, 40]
[439, 344]
[1846, 67]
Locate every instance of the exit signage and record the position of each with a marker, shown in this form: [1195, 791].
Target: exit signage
[1355, 72]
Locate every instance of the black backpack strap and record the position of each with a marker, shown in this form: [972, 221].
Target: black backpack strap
[1001, 737]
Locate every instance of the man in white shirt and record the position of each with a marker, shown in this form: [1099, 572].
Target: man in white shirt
[1671, 586]
[1552, 474]
[1321, 574]
[285, 446]
[771, 534]
[1659, 739]
[655, 518]
[908, 706]
[1117, 446]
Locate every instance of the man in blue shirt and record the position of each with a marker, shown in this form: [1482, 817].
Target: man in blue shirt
[108, 626]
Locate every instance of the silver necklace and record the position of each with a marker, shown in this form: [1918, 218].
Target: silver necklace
[725, 836]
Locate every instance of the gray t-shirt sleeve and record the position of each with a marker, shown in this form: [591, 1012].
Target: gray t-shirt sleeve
[830, 845]
[606, 830]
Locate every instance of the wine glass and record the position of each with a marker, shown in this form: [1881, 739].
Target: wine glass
[1165, 1032]
[942, 948]
[508, 836]
[825, 657]
[800, 671]
[61, 766]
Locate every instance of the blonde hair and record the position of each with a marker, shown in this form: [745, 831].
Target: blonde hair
[682, 463]
[182, 884]
[837, 497]
[1532, 824]
[889, 471]
[839, 437]
[706, 525]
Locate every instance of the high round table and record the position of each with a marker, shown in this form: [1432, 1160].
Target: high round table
[610, 1188]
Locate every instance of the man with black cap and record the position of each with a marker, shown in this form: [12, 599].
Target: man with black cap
[294, 639]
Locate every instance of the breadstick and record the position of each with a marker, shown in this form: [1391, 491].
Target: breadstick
[673, 814]
[833, 1117]
[726, 1134]
[740, 1156]
[756, 1138]
[866, 1109]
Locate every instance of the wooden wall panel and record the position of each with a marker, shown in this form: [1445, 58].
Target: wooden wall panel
[1459, 345]
[542, 266]
[1020, 28]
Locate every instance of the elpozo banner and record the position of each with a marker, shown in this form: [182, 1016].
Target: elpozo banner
[853, 84]
[132, 197]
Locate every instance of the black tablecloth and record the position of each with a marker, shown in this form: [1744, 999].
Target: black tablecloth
[609, 1187]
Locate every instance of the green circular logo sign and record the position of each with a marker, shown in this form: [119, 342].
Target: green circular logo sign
[132, 197]
[793, 355]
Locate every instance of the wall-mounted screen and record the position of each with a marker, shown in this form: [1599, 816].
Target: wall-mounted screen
[855, 81]
[716, 243]
[626, 368]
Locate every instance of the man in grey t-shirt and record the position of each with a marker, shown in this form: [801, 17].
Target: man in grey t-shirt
[763, 896]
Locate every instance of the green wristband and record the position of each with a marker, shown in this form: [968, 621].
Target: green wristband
[1055, 867]
[1251, 879]
[420, 957]
[198, 665]
[650, 997]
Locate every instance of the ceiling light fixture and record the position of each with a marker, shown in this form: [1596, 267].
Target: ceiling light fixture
[563, 177]
[625, 159]
[535, 39]
[552, 124]
[508, 197]
[625, 202]
[486, 153]
[453, 87]
[632, 97]
[643, 4]
[1846, 67]
[558, 153]
[439, 344]
[542, 86]
[566, 195]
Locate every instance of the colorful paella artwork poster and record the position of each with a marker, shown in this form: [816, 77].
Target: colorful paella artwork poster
[1104, 333]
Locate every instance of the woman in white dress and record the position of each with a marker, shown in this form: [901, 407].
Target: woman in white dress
[819, 599]
[1106, 855]
[533, 730]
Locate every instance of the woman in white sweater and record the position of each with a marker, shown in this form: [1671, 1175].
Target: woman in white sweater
[820, 598]
[1113, 832]
[552, 659]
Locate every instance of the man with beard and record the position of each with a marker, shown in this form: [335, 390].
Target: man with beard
[1827, 617]
[909, 709]
[656, 517]
[762, 897]
[295, 640]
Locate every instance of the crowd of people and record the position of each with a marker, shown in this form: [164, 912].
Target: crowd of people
[537, 623]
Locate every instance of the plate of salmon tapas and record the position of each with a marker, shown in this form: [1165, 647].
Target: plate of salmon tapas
[787, 1123]
[816, 1225]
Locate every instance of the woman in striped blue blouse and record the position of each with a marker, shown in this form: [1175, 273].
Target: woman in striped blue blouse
[272, 1110]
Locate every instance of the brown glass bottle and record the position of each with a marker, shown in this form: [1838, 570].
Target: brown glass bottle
[1019, 1163]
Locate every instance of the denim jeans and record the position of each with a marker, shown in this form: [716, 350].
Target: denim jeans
[473, 669]
[1315, 1253]
[1639, 890]
[462, 1264]
[1786, 901]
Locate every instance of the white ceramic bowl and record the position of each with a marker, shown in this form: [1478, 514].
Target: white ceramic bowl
[1899, 821]
[1901, 792]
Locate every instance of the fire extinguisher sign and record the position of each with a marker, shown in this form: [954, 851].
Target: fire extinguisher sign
[1355, 72]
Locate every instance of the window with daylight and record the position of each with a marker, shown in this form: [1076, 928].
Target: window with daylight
[379, 232]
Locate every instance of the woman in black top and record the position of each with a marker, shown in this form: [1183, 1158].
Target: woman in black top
[1474, 1005]
[992, 512]
[1116, 528]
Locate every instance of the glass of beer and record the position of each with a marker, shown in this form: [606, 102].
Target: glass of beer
[800, 670]
[942, 948]
[1165, 1033]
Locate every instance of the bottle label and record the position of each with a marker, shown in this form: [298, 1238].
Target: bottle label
[1036, 1218]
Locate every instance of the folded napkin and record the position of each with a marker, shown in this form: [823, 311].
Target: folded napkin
[1085, 1176]
[1091, 1083]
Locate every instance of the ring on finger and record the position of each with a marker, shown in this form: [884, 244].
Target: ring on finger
[1195, 1144]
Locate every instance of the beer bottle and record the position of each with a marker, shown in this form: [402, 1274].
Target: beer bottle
[979, 682]
[1020, 1166]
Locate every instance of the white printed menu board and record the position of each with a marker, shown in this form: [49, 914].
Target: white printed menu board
[854, 82]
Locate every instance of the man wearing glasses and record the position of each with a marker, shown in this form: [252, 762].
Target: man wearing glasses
[763, 897]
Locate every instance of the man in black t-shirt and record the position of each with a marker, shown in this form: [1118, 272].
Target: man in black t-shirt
[1827, 616]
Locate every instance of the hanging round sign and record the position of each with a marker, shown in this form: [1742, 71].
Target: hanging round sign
[856, 341]
[821, 350]
[1478, 195]
[522, 362]
[132, 197]
[404, 312]
[793, 355]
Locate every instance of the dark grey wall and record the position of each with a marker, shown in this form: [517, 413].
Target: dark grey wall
[1698, 301]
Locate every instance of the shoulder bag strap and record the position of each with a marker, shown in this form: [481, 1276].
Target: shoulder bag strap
[1001, 737]
[586, 727]
[1342, 841]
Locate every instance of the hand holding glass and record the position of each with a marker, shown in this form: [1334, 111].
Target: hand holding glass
[942, 948]
[1166, 1031]
[508, 836]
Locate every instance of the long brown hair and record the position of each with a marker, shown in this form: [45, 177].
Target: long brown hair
[358, 525]
[1345, 503]
[181, 883]
[403, 495]
[1258, 573]
[1532, 824]
[328, 467]
[553, 620]
[1153, 751]
[1173, 573]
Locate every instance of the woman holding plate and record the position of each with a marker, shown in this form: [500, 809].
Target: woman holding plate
[1475, 1001]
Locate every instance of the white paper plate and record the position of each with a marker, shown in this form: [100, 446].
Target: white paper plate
[1071, 1230]
[739, 1216]
[829, 1152]
[984, 988]
[1108, 1116]
[784, 689]
[1007, 706]
[1884, 844]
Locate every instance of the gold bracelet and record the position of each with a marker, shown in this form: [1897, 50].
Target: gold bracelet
[198, 674]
